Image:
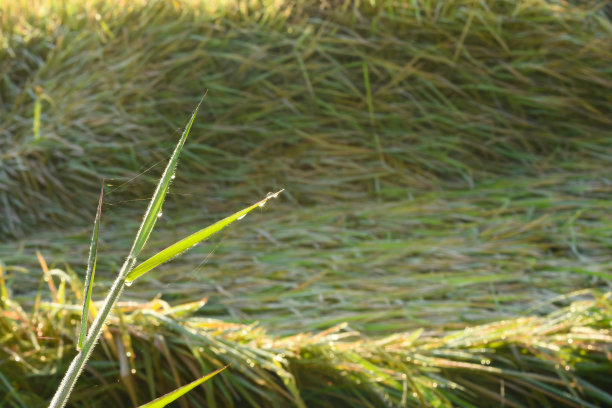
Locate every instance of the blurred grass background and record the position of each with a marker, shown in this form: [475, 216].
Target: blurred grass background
[446, 166]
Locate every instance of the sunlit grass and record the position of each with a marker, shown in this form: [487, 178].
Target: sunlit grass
[128, 273]
[445, 239]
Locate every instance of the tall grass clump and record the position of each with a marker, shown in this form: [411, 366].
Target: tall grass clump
[130, 270]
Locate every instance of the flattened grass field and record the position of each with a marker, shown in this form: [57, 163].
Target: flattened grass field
[444, 237]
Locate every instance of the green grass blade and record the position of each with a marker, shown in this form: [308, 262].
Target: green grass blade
[91, 270]
[366, 81]
[11, 392]
[155, 205]
[179, 392]
[186, 243]
[37, 112]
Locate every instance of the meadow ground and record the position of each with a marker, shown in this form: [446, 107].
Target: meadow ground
[444, 237]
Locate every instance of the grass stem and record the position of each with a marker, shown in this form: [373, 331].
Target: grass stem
[76, 367]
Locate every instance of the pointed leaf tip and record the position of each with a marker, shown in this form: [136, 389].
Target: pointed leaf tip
[155, 205]
[186, 243]
[179, 392]
[91, 270]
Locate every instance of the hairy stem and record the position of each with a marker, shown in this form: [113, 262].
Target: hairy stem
[76, 367]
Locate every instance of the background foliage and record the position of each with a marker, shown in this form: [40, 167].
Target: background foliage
[340, 102]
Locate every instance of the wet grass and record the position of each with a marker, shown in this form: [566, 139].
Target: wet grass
[444, 239]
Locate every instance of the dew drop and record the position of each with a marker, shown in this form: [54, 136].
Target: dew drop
[262, 203]
[173, 176]
[242, 216]
[133, 371]
[159, 214]
[128, 283]
[128, 354]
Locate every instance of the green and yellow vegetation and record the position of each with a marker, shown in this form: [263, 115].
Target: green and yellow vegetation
[444, 238]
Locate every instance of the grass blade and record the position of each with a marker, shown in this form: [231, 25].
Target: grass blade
[91, 270]
[37, 112]
[74, 370]
[47, 276]
[155, 205]
[186, 243]
[179, 392]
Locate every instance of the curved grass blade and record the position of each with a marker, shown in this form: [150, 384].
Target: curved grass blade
[155, 205]
[186, 243]
[179, 392]
[91, 270]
